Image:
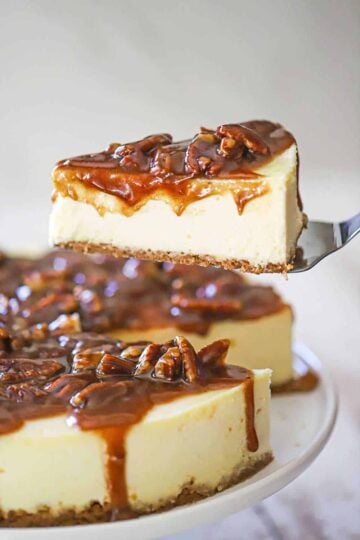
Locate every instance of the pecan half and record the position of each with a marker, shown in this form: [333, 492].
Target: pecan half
[24, 392]
[66, 386]
[133, 352]
[65, 323]
[36, 280]
[21, 369]
[188, 357]
[135, 155]
[201, 156]
[147, 359]
[169, 365]
[89, 300]
[100, 394]
[115, 365]
[234, 137]
[86, 360]
[214, 353]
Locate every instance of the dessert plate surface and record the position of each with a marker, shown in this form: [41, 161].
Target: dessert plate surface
[301, 426]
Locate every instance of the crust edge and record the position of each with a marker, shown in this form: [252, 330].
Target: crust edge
[96, 512]
[175, 257]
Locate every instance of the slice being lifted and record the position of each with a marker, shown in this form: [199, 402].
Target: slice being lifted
[90, 424]
[227, 197]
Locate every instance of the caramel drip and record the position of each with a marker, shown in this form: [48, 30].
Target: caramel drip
[183, 172]
[252, 440]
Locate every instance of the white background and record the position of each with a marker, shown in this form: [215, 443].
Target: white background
[76, 75]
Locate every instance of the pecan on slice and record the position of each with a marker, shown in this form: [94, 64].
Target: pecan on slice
[169, 365]
[215, 353]
[236, 137]
[188, 357]
[201, 156]
[115, 365]
[135, 155]
[147, 359]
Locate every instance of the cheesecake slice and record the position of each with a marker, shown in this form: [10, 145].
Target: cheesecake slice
[136, 300]
[94, 429]
[227, 197]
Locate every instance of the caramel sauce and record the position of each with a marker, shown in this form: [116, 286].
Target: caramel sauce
[182, 172]
[108, 294]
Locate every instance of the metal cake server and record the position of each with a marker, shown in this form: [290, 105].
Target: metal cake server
[320, 239]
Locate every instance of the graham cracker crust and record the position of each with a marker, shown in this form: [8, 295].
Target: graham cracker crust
[98, 513]
[179, 258]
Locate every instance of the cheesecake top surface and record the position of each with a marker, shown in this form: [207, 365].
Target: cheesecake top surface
[134, 171]
[103, 294]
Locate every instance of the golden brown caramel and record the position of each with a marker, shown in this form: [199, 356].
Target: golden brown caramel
[181, 172]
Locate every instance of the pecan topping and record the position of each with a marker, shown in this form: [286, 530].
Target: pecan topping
[190, 369]
[66, 386]
[210, 151]
[21, 369]
[86, 360]
[169, 365]
[100, 394]
[24, 392]
[89, 300]
[201, 156]
[234, 137]
[136, 155]
[65, 323]
[215, 353]
[115, 365]
[217, 305]
[147, 359]
[36, 281]
[5, 340]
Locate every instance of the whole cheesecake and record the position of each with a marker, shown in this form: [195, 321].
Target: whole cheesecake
[89, 425]
[226, 197]
[136, 300]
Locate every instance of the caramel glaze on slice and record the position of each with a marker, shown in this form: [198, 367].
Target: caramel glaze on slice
[181, 172]
[108, 385]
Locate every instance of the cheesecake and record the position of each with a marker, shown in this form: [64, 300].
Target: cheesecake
[142, 300]
[95, 429]
[227, 197]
